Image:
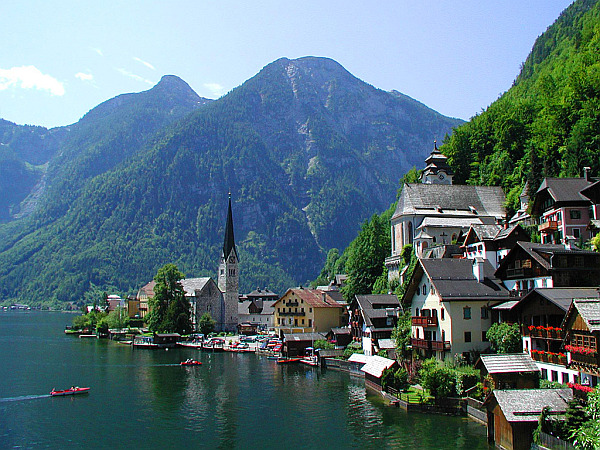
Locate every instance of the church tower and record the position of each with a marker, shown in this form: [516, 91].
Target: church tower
[437, 170]
[229, 278]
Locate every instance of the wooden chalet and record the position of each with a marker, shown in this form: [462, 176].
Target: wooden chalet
[509, 370]
[582, 330]
[513, 414]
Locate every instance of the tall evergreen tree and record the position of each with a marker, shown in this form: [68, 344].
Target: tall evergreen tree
[170, 307]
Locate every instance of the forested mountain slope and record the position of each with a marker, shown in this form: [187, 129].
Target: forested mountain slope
[548, 122]
[307, 150]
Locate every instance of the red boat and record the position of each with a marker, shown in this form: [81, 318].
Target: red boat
[288, 360]
[72, 391]
[190, 362]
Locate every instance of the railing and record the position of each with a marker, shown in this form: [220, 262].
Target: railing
[291, 313]
[546, 333]
[293, 303]
[588, 360]
[424, 321]
[550, 225]
[430, 345]
[552, 358]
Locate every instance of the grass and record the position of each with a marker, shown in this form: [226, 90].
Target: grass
[416, 396]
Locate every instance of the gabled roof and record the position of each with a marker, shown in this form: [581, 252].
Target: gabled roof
[316, 298]
[191, 285]
[376, 365]
[434, 199]
[454, 280]
[358, 358]
[508, 363]
[592, 192]
[258, 293]
[525, 405]
[149, 288]
[588, 309]
[375, 306]
[564, 189]
[560, 296]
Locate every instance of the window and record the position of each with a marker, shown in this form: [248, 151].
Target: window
[483, 336]
[309, 309]
[467, 336]
[467, 312]
[575, 214]
[565, 378]
[302, 321]
[484, 312]
[553, 375]
[442, 313]
[424, 289]
[417, 312]
[432, 289]
[310, 322]
[544, 374]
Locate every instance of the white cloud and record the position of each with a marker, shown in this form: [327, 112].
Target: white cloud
[215, 89]
[30, 77]
[97, 50]
[84, 76]
[147, 64]
[134, 76]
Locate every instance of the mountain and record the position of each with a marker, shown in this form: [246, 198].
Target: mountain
[307, 150]
[548, 123]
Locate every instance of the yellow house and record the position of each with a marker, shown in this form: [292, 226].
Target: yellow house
[302, 310]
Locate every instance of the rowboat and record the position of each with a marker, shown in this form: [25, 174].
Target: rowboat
[190, 362]
[288, 360]
[72, 391]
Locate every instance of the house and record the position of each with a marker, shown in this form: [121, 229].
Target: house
[373, 317]
[113, 302]
[541, 314]
[522, 216]
[258, 312]
[562, 209]
[374, 368]
[436, 212]
[582, 335]
[592, 192]
[259, 294]
[530, 265]
[302, 310]
[450, 301]
[144, 294]
[513, 414]
[509, 370]
[492, 242]
[341, 337]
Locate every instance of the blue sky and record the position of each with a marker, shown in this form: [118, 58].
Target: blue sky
[59, 59]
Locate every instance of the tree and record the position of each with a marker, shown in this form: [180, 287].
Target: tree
[587, 436]
[206, 323]
[401, 334]
[439, 380]
[505, 338]
[170, 308]
[596, 243]
[323, 344]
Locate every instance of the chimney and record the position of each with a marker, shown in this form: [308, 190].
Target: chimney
[324, 297]
[586, 173]
[478, 269]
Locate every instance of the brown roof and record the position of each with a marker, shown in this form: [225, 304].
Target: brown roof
[149, 288]
[508, 363]
[314, 297]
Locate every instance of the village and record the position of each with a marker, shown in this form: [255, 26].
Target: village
[475, 272]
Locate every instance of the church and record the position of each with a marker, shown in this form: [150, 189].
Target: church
[219, 299]
[436, 211]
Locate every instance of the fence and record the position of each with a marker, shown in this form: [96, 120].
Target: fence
[547, 441]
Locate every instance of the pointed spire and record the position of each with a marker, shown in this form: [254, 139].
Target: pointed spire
[229, 243]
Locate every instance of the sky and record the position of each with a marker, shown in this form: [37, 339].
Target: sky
[61, 58]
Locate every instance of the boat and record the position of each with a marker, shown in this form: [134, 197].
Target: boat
[310, 360]
[214, 344]
[190, 362]
[75, 390]
[288, 360]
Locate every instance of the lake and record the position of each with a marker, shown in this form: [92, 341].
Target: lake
[145, 399]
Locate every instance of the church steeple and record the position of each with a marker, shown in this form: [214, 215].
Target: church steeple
[437, 170]
[229, 278]
[229, 243]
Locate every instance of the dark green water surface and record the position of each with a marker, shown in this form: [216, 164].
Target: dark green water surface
[145, 399]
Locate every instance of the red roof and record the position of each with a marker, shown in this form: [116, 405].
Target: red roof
[313, 297]
[149, 289]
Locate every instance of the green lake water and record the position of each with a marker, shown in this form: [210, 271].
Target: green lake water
[145, 399]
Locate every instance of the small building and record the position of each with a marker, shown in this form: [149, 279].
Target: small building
[582, 335]
[510, 370]
[113, 302]
[450, 305]
[530, 265]
[373, 317]
[374, 368]
[513, 414]
[257, 311]
[341, 337]
[302, 310]
[166, 340]
[296, 344]
[144, 294]
[492, 242]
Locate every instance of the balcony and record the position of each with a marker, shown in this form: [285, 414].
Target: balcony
[424, 321]
[430, 345]
[291, 313]
[586, 360]
[548, 227]
[544, 332]
[292, 304]
[548, 357]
